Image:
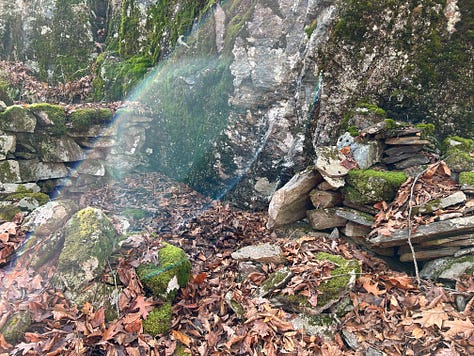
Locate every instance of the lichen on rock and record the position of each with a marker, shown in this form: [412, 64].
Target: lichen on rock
[89, 239]
[459, 153]
[15, 326]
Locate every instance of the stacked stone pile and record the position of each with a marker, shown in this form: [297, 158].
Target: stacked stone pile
[361, 188]
[43, 147]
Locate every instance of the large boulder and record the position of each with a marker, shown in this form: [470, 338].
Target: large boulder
[89, 239]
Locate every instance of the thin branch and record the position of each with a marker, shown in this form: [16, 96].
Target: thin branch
[412, 249]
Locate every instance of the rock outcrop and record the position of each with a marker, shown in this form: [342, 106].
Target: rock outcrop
[383, 207]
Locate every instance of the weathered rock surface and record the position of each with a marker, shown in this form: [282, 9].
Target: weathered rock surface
[321, 219]
[264, 253]
[450, 227]
[290, 202]
[89, 239]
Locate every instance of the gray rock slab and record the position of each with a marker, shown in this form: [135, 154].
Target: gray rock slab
[448, 268]
[49, 217]
[406, 140]
[436, 204]
[17, 119]
[9, 188]
[399, 150]
[413, 161]
[59, 149]
[355, 216]
[289, 203]
[33, 170]
[445, 228]
[264, 253]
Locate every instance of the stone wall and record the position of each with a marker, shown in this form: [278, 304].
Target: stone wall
[55, 147]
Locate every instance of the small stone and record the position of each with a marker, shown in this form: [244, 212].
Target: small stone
[264, 253]
[325, 198]
[353, 229]
[322, 219]
[436, 204]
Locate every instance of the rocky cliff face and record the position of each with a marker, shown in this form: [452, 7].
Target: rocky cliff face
[235, 111]
[55, 37]
[412, 58]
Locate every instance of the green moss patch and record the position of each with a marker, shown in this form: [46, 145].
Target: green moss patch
[331, 289]
[171, 273]
[83, 119]
[159, 320]
[16, 326]
[458, 153]
[41, 198]
[89, 234]
[370, 186]
[466, 178]
[7, 213]
[54, 113]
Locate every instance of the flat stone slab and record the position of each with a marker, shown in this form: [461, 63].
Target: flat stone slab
[438, 229]
[413, 161]
[398, 150]
[265, 253]
[406, 140]
[355, 216]
[436, 204]
[325, 198]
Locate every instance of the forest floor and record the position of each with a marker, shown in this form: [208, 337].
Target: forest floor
[391, 313]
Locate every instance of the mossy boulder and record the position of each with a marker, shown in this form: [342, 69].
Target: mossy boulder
[459, 153]
[171, 273]
[448, 268]
[159, 320]
[50, 117]
[17, 119]
[370, 186]
[16, 326]
[89, 239]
